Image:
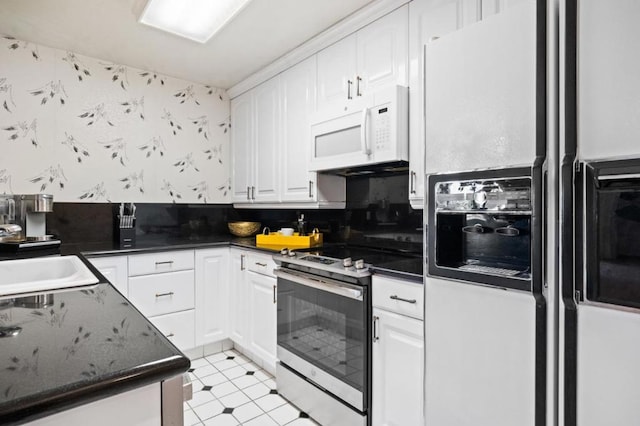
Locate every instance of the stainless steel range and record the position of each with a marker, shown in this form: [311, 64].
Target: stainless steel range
[324, 336]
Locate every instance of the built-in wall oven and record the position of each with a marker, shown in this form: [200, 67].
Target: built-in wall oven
[324, 337]
[481, 224]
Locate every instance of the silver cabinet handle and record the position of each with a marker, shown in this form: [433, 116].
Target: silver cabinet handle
[400, 299]
[358, 80]
[248, 193]
[349, 83]
[164, 294]
[310, 189]
[253, 192]
[274, 293]
[167, 262]
[261, 264]
[242, 262]
[170, 335]
[412, 182]
[376, 319]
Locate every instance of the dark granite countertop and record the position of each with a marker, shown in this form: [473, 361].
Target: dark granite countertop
[82, 345]
[402, 267]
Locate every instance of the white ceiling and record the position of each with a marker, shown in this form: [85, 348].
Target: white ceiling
[108, 29]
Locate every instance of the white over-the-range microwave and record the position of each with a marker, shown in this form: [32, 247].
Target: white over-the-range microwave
[370, 130]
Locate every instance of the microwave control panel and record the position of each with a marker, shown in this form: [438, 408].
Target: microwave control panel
[381, 126]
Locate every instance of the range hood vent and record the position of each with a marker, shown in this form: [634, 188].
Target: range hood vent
[381, 169]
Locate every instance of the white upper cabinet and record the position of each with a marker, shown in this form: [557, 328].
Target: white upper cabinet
[242, 142]
[271, 139]
[382, 52]
[374, 57]
[266, 148]
[298, 94]
[336, 72]
[255, 129]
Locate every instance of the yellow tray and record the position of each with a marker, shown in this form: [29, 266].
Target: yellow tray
[278, 241]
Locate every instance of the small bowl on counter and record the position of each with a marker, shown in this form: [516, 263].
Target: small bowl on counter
[243, 229]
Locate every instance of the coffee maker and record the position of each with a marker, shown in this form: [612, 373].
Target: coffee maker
[30, 216]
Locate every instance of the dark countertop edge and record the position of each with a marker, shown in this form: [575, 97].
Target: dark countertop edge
[235, 243]
[26, 410]
[398, 274]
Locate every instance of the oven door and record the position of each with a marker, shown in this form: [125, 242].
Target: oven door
[323, 333]
[612, 233]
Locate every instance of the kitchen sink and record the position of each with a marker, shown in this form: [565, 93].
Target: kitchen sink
[43, 274]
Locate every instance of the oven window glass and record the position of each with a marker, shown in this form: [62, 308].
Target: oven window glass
[325, 329]
[614, 261]
[484, 243]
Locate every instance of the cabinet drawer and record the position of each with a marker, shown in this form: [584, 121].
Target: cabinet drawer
[166, 261]
[160, 294]
[260, 263]
[178, 328]
[402, 297]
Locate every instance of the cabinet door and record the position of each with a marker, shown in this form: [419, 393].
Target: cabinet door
[298, 91]
[427, 19]
[266, 148]
[211, 295]
[241, 145]
[336, 73]
[382, 48]
[262, 318]
[398, 364]
[114, 269]
[238, 321]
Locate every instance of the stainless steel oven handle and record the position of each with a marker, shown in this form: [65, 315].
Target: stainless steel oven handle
[623, 176]
[330, 286]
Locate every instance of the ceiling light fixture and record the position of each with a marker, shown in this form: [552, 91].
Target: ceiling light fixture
[197, 20]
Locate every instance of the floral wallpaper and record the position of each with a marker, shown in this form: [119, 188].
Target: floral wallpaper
[86, 130]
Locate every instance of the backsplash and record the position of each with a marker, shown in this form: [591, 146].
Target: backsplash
[380, 215]
[86, 130]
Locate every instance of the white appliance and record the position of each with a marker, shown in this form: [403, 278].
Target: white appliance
[369, 130]
[485, 334]
[600, 224]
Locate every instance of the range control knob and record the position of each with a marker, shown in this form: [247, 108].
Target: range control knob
[359, 264]
[284, 251]
[347, 262]
[292, 253]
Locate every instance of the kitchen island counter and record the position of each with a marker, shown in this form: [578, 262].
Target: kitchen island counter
[76, 346]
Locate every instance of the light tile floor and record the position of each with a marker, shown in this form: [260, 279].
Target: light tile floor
[229, 389]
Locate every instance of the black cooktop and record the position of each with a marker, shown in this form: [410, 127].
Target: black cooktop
[408, 261]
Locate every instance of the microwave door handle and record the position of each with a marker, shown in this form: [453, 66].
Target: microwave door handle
[321, 284]
[363, 132]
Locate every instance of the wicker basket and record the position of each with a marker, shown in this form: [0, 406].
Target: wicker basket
[243, 229]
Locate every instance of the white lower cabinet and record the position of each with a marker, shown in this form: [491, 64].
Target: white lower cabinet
[238, 307]
[212, 295]
[114, 269]
[252, 302]
[177, 327]
[398, 356]
[166, 296]
[262, 318]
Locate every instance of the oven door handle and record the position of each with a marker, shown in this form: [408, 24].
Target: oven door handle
[331, 286]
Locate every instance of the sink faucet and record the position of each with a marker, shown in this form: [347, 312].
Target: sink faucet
[8, 229]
